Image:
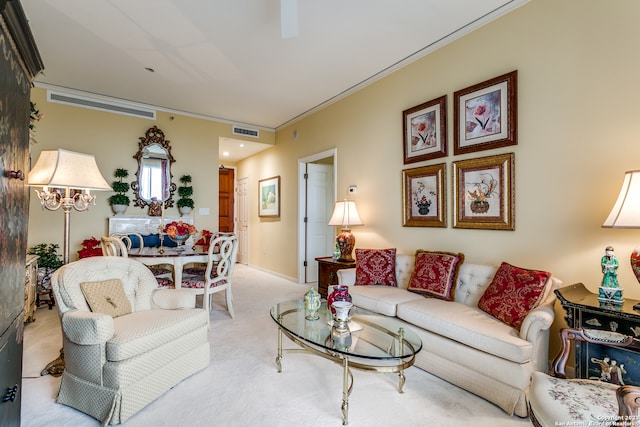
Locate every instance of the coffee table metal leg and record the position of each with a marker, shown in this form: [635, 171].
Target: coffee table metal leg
[401, 373]
[279, 356]
[346, 390]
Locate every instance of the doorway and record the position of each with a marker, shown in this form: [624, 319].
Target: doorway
[317, 190]
[226, 202]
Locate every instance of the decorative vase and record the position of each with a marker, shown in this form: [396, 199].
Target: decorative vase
[479, 206]
[180, 241]
[311, 304]
[340, 293]
[119, 209]
[185, 210]
[341, 315]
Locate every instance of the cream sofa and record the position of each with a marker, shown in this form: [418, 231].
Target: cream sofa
[461, 343]
[116, 366]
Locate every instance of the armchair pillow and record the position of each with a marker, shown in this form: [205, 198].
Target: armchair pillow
[513, 293]
[107, 297]
[376, 267]
[435, 274]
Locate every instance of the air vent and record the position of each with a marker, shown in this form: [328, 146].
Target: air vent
[237, 130]
[127, 109]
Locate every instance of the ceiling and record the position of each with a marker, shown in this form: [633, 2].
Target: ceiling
[229, 60]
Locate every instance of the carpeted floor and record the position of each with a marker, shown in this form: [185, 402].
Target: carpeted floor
[241, 386]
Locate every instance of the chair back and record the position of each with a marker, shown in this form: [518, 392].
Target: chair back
[223, 251]
[137, 280]
[113, 246]
[128, 239]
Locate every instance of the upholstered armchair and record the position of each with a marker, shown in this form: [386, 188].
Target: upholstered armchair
[115, 366]
[558, 400]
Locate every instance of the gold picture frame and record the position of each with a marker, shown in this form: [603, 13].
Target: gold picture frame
[484, 193]
[424, 196]
[269, 197]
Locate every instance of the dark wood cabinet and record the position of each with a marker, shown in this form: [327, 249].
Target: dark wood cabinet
[584, 310]
[327, 267]
[19, 63]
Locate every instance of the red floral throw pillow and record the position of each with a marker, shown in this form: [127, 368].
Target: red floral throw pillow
[436, 274]
[513, 293]
[376, 267]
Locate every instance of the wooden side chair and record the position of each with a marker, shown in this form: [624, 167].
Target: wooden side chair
[556, 400]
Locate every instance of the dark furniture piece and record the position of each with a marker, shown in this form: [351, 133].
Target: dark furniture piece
[584, 311]
[19, 63]
[327, 267]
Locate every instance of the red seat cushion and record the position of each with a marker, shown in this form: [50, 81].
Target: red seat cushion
[436, 274]
[376, 267]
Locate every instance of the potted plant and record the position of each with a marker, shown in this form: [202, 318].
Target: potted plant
[185, 191]
[120, 200]
[49, 261]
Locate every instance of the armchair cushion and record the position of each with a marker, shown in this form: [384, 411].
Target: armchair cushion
[513, 292]
[436, 274]
[106, 296]
[376, 267]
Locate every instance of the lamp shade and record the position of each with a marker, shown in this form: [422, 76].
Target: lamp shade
[63, 168]
[345, 214]
[626, 210]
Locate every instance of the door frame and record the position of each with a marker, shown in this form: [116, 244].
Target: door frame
[302, 201]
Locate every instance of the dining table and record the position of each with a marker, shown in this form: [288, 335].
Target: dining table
[178, 257]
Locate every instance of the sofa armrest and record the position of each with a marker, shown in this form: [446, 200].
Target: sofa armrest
[539, 319]
[87, 328]
[346, 276]
[174, 299]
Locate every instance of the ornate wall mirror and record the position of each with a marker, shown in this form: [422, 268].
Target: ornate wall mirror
[153, 178]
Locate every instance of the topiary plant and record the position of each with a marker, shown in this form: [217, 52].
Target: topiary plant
[185, 192]
[121, 188]
[48, 262]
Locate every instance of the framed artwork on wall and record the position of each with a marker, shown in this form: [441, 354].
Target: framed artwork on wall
[424, 198]
[269, 197]
[484, 193]
[486, 115]
[425, 131]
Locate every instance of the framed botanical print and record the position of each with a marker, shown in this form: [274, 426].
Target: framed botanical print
[485, 115]
[425, 131]
[484, 193]
[424, 198]
[269, 197]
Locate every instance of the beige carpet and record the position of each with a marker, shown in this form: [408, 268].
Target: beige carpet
[242, 387]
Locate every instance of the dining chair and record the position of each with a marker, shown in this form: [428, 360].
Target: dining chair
[115, 245]
[197, 269]
[555, 399]
[223, 251]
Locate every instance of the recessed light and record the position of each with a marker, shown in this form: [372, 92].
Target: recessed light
[225, 153]
[241, 145]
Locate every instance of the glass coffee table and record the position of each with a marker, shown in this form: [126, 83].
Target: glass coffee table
[374, 343]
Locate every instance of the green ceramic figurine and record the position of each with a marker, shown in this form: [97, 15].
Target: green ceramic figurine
[609, 290]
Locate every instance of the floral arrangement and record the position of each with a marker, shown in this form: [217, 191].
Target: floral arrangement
[205, 238]
[90, 247]
[179, 228]
[34, 116]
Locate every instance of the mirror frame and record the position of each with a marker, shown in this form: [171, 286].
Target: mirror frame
[152, 136]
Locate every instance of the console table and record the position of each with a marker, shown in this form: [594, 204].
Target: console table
[141, 224]
[583, 310]
[327, 267]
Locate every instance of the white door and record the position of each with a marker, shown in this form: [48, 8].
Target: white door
[243, 221]
[320, 239]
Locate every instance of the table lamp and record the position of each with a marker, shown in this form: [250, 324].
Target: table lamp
[345, 214]
[626, 213]
[66, 178]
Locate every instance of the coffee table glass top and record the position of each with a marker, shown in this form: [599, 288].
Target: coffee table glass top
[371, 337]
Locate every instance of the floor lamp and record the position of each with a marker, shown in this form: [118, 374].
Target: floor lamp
[345, 214]
[66, 178]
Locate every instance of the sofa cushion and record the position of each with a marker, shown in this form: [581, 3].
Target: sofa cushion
[106, 297]
[381, 299]
[376, 267]
[467, 325]
[436, 273]
[513, 292]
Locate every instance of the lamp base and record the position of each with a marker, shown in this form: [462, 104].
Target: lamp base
[346, 241]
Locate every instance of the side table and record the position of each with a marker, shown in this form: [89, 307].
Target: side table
[598, 361]
[327, 267]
